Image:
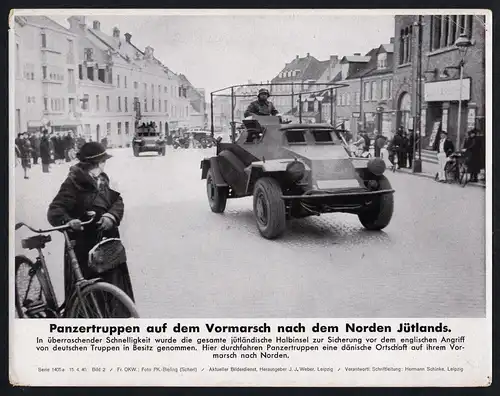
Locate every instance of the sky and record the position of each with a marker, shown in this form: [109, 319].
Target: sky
[216, 51]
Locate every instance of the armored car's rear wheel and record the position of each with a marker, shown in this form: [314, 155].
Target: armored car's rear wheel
[269, 208]
[378, 215]
[217, 196]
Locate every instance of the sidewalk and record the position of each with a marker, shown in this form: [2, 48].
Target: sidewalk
[430, 169]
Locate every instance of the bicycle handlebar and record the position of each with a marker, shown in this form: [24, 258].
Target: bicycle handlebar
[59, 228]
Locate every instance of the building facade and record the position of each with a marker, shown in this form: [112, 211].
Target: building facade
[363, 99]
[440, 78]
[121, 85]
[46, 75]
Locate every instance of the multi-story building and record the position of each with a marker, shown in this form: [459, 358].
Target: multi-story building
[46, 83]
[299, 75]
[121, 85]
[440, 61]
[363, 101]
[197, 104]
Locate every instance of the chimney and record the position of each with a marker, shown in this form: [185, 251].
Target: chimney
[116, 33]
[296, 57]
[334, 59]
[128, 36]
[97, 25]
[308, 55]
[148, 52]
[392, 40]
[76, 22]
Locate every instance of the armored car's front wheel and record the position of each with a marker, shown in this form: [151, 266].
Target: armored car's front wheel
[269, 208]
[217, 196]
[378, 215]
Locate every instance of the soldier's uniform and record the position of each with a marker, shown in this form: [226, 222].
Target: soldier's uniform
[261, 108]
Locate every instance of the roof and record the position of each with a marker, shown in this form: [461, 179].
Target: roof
[299, 64]
[388, 47]
[315, 69]
[44, 21]
[356, 59]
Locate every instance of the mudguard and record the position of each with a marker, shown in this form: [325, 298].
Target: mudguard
[213, 164]
[259, 168]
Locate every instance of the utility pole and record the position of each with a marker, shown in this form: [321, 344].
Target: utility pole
[417, 121]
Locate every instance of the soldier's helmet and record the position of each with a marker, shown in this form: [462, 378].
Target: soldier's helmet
[263, 91]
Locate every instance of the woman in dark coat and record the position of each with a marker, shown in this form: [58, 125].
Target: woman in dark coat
[45, 151]
[473, 155]
[87, 189]
[25, 152]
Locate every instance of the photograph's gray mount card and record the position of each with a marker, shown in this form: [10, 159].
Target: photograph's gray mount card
[238, 174]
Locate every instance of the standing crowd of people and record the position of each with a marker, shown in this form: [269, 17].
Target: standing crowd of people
[49, 148]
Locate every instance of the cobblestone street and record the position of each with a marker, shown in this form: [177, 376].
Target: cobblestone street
[186, 261]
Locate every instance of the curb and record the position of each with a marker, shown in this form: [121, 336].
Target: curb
[430, 176]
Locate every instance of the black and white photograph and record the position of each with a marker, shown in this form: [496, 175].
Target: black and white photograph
[249, 165]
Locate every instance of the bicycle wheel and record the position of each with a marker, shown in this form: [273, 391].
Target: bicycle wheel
[101, 300]
[33, 298]
[450, 172]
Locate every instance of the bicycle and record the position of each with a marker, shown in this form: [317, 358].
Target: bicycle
[456, 170]
[91, 298]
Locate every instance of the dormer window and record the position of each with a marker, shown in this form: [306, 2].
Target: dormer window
[382, 61]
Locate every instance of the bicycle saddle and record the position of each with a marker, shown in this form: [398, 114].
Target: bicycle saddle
[35, 242]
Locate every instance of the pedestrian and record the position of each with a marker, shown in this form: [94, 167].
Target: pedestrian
[380, 141]
[53, 144]
[45, 151]
[445, 149]
[68, 145]
[397, 146]
[25, 152]
[473, 150]
[87, 188]
[410, 147]
[35, 145]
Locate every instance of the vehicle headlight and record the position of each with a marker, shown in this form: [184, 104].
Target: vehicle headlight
[296, 170]
[376, 166]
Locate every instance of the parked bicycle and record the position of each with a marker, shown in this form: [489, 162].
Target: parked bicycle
[456, 170]
[34, 292]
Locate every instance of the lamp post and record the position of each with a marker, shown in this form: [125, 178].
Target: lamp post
[463, 43]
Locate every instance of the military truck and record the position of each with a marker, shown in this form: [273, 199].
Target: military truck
[147, 139]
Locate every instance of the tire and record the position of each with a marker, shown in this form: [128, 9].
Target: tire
[379, 214]
[84, 305]
[217, 196]
[32, 290]
[269, 208]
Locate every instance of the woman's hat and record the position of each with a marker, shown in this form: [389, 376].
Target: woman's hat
[93, 152]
